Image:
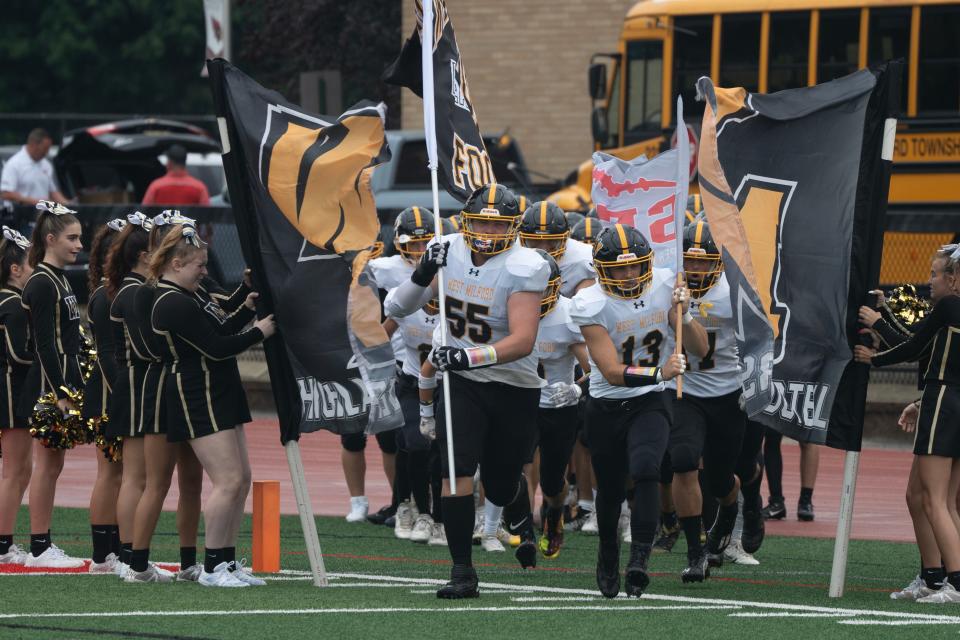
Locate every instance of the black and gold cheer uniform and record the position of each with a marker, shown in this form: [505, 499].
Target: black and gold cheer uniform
[134, 359]
[16, 356]
[54, 318]
[96, 394]
[203, 393]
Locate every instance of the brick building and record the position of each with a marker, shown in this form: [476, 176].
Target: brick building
[526, 64]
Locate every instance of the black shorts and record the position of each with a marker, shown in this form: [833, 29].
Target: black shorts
[938, 425]
[712, 429]
[492, 423]
[555, 434]
[627, 438]
[200, 402]
[357, 442]
[11, 387]
[409, 437]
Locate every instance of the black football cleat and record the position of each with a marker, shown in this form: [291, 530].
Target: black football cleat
[463, 584]
[666, 538]
[526, 553]
[805, 510]
[753, 529]
[697, 569]
[775, 509]
[719, 535]
[715, 560]
[381, 516]
[636, 577]
[608, 569]
[552, 538]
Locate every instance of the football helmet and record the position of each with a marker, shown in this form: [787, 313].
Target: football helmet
[619, 246]
[412, 229]
[544, 223]
[552, 293]
[702, 262]
[490, 203]
[573, 217]
[587, 230]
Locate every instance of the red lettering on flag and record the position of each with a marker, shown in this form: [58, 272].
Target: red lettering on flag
[602, 179]
[622, 216]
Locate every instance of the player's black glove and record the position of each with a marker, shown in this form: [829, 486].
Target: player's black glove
[430, 262]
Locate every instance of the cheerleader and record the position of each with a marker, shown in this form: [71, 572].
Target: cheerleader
[54, 321]
[203, 398]
[16, 356]
[96, 393]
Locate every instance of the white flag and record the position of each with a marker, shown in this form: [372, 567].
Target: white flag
[216, 18]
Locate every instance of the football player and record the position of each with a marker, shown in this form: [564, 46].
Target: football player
[544, 226]
[586, 231]
[627, 320]
[494, 289]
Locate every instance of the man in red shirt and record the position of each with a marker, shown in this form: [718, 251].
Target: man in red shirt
[177, 187]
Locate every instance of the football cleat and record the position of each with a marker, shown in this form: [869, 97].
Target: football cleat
[463, 584]
[422, 529]
[405, 517]
[491, 544]
[753, 529]
[552, 538]
[697, 569]
[382, 515]
[526, 553]
[608, 569]
[626, 534]
[736, 554]
[636, 577]
[805, 510]
[438, 535]
[590, 526]
[666, 538]
[775, 510]
[478, 521]
[719, 535]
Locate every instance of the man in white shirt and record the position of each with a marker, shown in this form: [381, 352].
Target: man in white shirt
[28, 175]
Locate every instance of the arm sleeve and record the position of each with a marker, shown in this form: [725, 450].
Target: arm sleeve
[237, 320]
[105, 339]
[406, 299]
[236, 299]
[180, 315]
[42, 304]
[17, 332]
[945, 312]
[889, 335]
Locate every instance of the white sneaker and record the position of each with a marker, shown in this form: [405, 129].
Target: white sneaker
[945, 594]
[121, 569]
[403, 528]
[478, 521]
[109, 565]
[164, 572]
[53, 558]
[735, 554]
[507, 538]
[590, 526]
[242, 573]
[625, 533]
[913, 591]
[358, 509]
[190, 574]
[221, 577]
[152, 574]
[15, 555]
[422, 529]
[490, 543]
[438, 537]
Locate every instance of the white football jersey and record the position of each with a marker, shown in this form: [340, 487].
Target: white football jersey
[417, 331]
[638, 328]
[556, 335]
[389, 272]
[576, 265]
[717, 373]
[477, 305]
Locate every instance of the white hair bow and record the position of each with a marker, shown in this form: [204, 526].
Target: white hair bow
[16, 237]
[117, 224]
[55, 208]
[140, 220]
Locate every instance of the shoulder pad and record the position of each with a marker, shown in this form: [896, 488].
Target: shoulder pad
[578, 250]
[527, 266]
[586, 305]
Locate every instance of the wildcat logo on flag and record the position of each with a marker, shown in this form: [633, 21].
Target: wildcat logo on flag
[781, 177]
[300, 187]
[464, 164]
[644, 194]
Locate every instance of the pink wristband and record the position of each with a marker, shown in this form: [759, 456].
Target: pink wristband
[481, 356]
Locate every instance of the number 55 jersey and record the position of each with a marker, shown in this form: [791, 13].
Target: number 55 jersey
[638, 328]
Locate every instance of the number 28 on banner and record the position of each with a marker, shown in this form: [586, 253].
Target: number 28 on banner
[660, 219]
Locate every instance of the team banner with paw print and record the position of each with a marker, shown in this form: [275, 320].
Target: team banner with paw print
[300, 188]
[794, 186]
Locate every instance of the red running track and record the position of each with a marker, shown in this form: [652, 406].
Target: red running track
[880, 512]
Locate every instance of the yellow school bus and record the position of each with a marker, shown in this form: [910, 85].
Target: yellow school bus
[768, 46]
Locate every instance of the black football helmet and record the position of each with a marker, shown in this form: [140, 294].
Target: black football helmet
[448, 226]
[587, 230]
[552, 293]
[490, 203]
[412, 230]
[702, 262]
[544, 226]
[573, 217]
[619, 246]
[592, 213]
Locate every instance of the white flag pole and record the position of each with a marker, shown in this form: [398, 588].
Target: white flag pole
[430, 133]
[679, 212]
[307, 522]
[841, 546]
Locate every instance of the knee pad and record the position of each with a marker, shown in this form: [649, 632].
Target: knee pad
[353, 442]
[645, 470]
[684, 458]
[387, 441]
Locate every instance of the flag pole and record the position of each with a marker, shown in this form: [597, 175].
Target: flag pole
[307, 521]
[679, 210]
[430, 135]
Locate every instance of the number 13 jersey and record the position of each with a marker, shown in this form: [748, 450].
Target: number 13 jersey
[477, 305]
[638, 328]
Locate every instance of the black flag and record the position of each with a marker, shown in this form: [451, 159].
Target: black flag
[463, 162]
[795, 189]
[300, 189]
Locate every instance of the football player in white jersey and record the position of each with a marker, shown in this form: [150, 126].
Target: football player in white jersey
[559, 347]
[494, 289]
[544, 226]
[626, 320]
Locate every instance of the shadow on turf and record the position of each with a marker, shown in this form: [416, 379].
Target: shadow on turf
[101, 632]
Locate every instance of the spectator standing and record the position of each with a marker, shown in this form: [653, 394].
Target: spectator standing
[177, 187]
[28, 176]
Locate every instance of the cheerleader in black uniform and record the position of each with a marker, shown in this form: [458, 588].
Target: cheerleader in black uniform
[204, 400]
[15, 359]
[96, 394]
[54, 320]
[126, 271]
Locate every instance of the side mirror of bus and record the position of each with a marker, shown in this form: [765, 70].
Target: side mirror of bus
[599, 126]
[598, 81]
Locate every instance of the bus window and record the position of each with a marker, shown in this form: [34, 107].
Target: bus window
[838, 48]
[613, 106]
[740, 51]
[789, 49]
[691, 59]
[889, 39]
[644, 88]
[938, 88]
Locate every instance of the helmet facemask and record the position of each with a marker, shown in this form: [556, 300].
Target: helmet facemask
[553, 243]
[550, 296]
[486, 242]
[702, 270]
[611, 277]
[412, 247]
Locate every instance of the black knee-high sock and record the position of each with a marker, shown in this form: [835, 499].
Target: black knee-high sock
[6, 541]
[139, 559]
[229, 554]
[188, 557]
[419, 476]
[401, 477]
[773, 461]
[100, 533]
[458, 524]
[126, 549]
[644, 511]
[115, 540]
[750, 488]
[212, 557]
[436, 484]
[693, 532]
